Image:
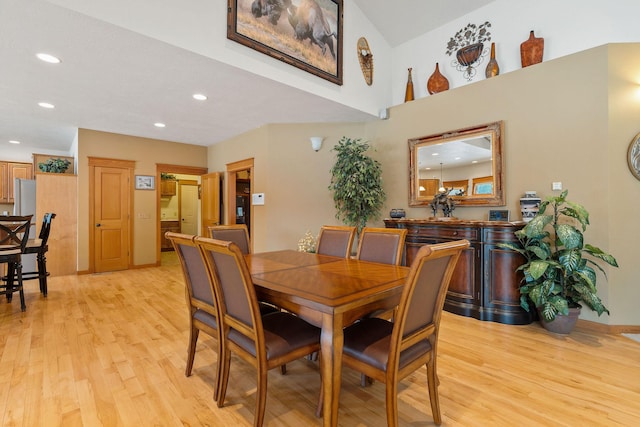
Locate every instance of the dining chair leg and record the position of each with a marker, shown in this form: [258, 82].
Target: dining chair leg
[18, 269]
[42, 273]
[9, 281]
[224, 362]
[432, 379]
[191, 354]
[391, 396]
[261, 397]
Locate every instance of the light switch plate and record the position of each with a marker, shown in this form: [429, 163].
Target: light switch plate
[257, 199]
[556, 186]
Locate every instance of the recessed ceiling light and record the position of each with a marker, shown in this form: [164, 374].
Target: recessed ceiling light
[46, 105]
[159, 125]
[13, 141]
[199, 97]
[48, 58]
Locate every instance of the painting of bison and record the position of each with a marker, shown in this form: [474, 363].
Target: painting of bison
[304, 33]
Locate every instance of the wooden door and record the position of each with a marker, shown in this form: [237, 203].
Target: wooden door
[189, 207]
[210, 201]
[110, 214]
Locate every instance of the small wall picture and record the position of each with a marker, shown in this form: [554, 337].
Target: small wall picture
[145, 182]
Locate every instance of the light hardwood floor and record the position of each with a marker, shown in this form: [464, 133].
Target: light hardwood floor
[110, 349]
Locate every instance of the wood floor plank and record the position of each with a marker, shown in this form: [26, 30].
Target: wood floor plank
[110, 349]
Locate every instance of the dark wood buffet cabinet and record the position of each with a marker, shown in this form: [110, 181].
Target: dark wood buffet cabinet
[485, 283]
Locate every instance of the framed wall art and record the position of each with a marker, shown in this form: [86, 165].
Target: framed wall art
[145, 182]
[306, 34]
[633, 156]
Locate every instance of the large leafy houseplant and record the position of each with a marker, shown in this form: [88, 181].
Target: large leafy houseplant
[356, 183]
[558, 272]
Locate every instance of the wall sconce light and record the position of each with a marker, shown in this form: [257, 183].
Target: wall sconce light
[316, 142]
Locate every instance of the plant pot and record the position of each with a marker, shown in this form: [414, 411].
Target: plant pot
[469, 54]
[562, 325]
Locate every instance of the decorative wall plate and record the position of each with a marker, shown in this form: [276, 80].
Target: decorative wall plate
[365, 57]
[633, 156]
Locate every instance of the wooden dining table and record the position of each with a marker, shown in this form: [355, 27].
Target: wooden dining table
[330, 293]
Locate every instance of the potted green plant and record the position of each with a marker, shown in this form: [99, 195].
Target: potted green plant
[54, 165]
[356, 183]
[558, 273]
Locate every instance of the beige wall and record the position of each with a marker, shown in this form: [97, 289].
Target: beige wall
[568, 120]
[146, 153]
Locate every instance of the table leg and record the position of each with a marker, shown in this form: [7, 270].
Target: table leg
[331, 344]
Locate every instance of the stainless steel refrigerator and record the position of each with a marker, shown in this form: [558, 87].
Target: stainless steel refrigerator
[24, 203]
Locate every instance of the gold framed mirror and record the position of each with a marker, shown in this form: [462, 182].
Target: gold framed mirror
[467, 163]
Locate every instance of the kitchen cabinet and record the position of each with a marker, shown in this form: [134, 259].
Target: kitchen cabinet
[8, 172]
[168, 187]
[171, 225]
[485, 282]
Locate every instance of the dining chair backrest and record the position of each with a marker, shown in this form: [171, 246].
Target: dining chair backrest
[199, 288]
[233, 287]
[14, 231]
[423, 297]
[236, 233]
[383, 245]
[335, 240]
[45, 228]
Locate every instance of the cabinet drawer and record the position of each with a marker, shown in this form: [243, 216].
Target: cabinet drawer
[450, 233]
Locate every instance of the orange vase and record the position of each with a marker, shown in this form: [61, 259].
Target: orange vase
[492, 67]
[437, 82]
[408, 94]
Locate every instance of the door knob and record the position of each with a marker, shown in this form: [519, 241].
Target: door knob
[98, 225]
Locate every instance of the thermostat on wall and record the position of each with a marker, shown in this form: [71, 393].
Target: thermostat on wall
[257, 199]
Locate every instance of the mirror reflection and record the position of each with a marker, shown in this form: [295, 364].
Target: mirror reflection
[466, 163]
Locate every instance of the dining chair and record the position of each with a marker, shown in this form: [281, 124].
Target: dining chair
[239, 234]
[390, 351]
[203, 315]
[40, 246]
[385, 246]
[335, 240]
[14, 234]
[236, 233]
[266, 342]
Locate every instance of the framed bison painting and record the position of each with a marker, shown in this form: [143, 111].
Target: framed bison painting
[304, 33]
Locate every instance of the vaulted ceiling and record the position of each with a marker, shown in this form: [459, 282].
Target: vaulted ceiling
[119, 81]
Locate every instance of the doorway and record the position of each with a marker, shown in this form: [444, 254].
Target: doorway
[188, 206]
[110, 205]
[178, 205]
[239, 189]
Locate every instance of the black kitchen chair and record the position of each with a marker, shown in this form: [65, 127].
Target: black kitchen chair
[40, 247]
[14, 233]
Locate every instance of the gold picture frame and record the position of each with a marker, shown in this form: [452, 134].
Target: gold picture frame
[314, 44]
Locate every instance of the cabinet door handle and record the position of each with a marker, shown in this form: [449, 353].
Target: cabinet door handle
[98, 225]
